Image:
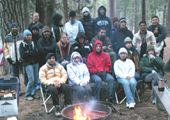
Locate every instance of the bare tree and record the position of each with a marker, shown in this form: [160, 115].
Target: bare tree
[168, 19]
[125, 8]
[50, 9]
[111, 6]
[65, 10]
[94, 9]
[164, 12]
[143, 10]
[40, 9]
[26, 13]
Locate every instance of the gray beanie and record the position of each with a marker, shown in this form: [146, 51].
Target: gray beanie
[85, 9]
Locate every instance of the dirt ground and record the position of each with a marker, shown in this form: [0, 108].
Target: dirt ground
[32, 110]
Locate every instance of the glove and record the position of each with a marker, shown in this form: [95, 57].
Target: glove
[9, 60]
[151, 57]
[153, 71]
[76, 44]
[83, 84]
[104, 47]
[27, 52]
[99, 73]
[104, 73]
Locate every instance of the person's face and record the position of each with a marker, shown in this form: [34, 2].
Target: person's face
[123, 24]
[76, 59]
[156, 30]
[155, 21]
[128, 45]
[102, 33]
[81, 40]
[116, 23]
[151, 52]
[86, 13]
[102, 11]
[64, 38]
[98, 48]
[51, 60]
[142, 27]
[123, 56]
[36, 17]
[46, 34]
[28, 37]
[14, 29]
[35, 31]
[73, 18]
[61, 21]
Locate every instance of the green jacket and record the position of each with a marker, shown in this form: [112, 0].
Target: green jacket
[146, 66]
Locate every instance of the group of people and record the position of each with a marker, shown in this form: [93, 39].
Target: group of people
[93, 50]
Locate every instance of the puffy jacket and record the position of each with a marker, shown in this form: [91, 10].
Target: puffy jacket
[97, 62]
[9, 46]
[49, 75]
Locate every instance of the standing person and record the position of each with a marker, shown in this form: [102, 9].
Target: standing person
[35, 34]
[103, 21]
[119, 36]
[125, 74]
[162, 35]
[78, 77]
[46, 44]
[99, 64]
[115, 22]
[11, 51]
[29, 53]
[73, 27]
[143, 38]
[36, 21]
[88, 24]
[56, 26]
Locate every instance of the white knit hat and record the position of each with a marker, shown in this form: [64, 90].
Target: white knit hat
[85, 9]
[122, 50]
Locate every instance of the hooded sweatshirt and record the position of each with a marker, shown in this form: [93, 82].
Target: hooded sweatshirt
[35, 38]
[98, 62]
[103, 21]
[77, 73]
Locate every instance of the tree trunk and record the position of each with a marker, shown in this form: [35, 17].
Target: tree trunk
[111, 8]
[143, 10]
[50, 10]
[168, 19]
[94, 9]
[65, 6]
[26, 13]
[79, 10]
[164, 12]
[136, 16]
[40, 9]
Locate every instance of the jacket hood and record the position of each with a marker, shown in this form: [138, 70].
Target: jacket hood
[75, 54]
[34, 27]
[81, 34]
[99, 11]
[56, 18]
[94, 47]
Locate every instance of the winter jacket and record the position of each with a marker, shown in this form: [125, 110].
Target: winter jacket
[73, 29]
[106, 42]
[49, 75]
[146, 66]
[77, 73]
[150, 40]
[56, 26]
[88, 24]
[124, 68]
[40, 26]
[9, 46]
[118, 38]
[45, 47]
[85, 49]
[35, 38]
[113, 29]
[97, 62]
[103, 21]
[29, 53]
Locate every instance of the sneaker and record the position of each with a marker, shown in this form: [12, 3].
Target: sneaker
[58, 111]
[30, 98]
[131, 105]
[127, 105]
[36, 97]
[154, 100]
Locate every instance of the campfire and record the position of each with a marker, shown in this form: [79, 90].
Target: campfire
[78, 115]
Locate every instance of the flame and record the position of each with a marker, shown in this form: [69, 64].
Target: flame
[78, 114]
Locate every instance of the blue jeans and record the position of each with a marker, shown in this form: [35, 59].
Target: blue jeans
[98, 82]
[129, 88]
[32, 73]
[137, 76]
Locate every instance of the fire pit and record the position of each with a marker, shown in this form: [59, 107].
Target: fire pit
[86, 111]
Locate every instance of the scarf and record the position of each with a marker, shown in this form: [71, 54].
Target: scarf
[62, 47]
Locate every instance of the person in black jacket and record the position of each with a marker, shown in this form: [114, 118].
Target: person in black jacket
[29, 53]
[35, 34]
[119, 36]
[82, 46]
[46, 44]
[56, 26]
[103, 21]
[88, 24]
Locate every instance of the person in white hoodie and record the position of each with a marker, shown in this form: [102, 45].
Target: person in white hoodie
[125, 74]
[78, 77]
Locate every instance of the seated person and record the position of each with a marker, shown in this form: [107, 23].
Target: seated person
[151, 68]
[78, 77]
[98, 63]
[82, 46]
[63, 50]
[53, 76]
[125, 74]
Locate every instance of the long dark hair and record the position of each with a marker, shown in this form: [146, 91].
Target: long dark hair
[159, 31]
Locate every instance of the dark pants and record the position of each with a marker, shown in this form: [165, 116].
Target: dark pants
[65, 88]
[162, 53]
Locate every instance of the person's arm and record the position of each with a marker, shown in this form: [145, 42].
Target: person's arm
[52, 47]
[81, 28]
[107, 63]
[110, 29]
[114, 42]
[162, 35]
[6, 50]
[86, 75]
[118, 71]
[134, 41]
[153, 41]
[41, 47]
[90, 64]
[23, 54]
[132, 70]
[95, 27]
[71, 51]
[143, 67]
[158, 62]
[63, 73]
[58, 55]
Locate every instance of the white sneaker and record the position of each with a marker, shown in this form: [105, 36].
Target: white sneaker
[134, 104]
[131, 105]
[127, 105]
[154, 100]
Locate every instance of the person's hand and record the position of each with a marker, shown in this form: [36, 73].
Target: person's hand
[57, 84]
[153, 71]
[83, 84]
[10, 60]
[66, 61]
[104, 47]
[128, 78]
[99, 73]
[151, 57]
[104, 73]
[109, 48]
[63, 62]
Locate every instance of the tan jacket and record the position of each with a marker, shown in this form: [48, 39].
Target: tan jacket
[49, 75]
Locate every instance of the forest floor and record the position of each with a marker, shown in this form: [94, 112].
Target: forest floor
[32, 110]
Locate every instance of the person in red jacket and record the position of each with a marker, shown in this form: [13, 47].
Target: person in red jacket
[98, 63]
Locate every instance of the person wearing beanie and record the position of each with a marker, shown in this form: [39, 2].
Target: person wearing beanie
[125, 73]
[119, 36]
[56, 27]
[151, 68]
[35, 33]
[11, 51]
[103, 21]
[73, 27]
[29, 53]
[115, 22]
[143, 38]
[54, 77]
[46, 44]
[36, 21]
[88, 24]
